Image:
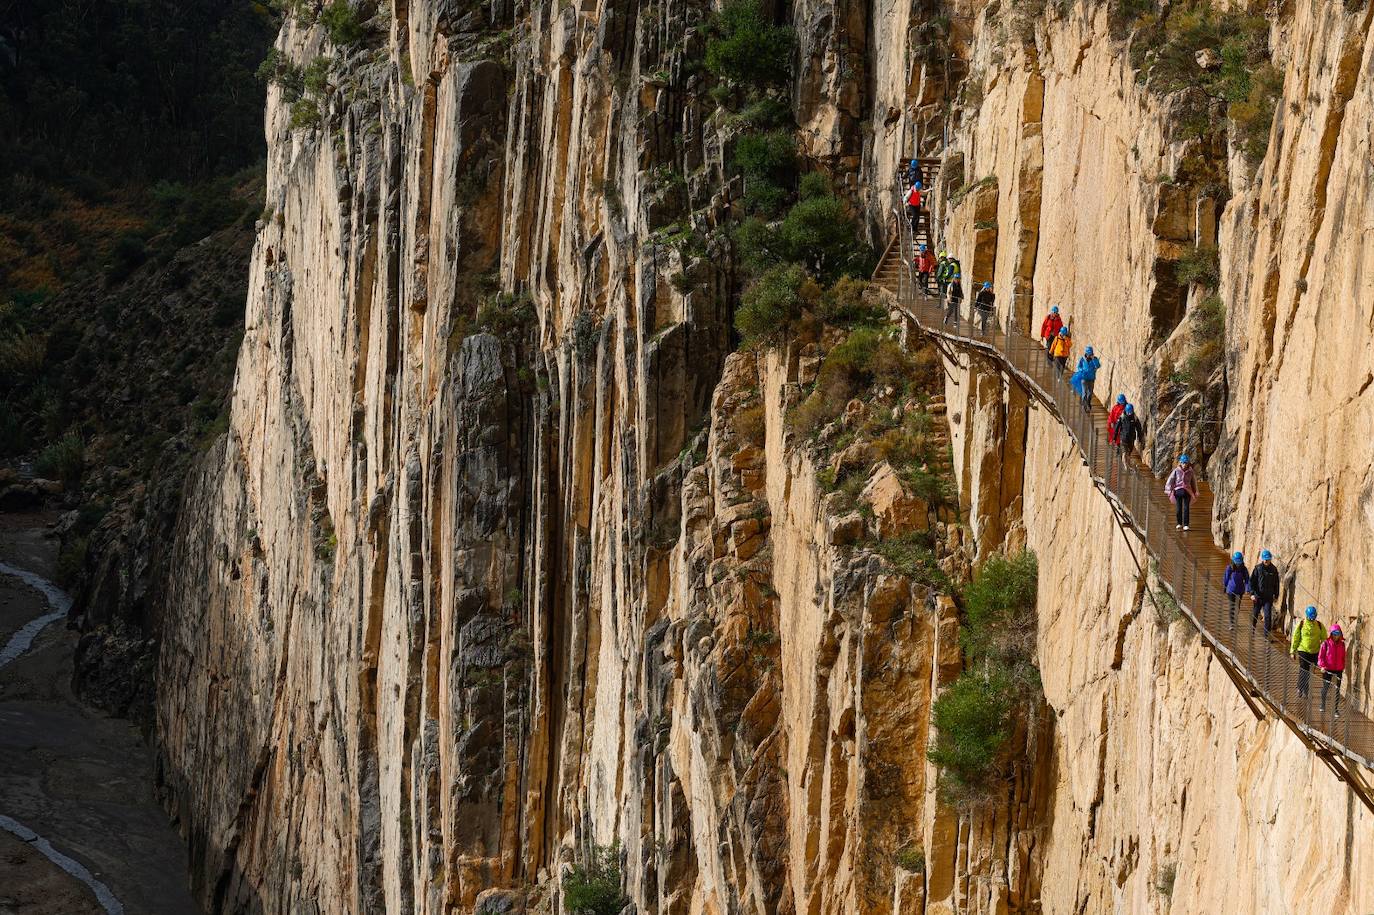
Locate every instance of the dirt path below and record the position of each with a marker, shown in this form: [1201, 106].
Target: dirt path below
[80, 829]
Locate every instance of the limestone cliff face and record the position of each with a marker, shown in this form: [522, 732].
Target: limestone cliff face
[469, 587]
[1161, 768]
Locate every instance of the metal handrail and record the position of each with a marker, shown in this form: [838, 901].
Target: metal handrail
[1192, 580]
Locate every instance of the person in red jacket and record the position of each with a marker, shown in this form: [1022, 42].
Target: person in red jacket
[1331, 661]
[925, 266]
[1049, 329]
[1113, 417]
[913, 203]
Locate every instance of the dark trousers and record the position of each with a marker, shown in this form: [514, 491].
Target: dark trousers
[1181, 504]
[1087, 395]
[1233, 600]
[913, 214]
[952, 311]
[983, 316]
[1263, 605]
[1305, 661]
[1048, 357]
[925, 280]
[1327, 677]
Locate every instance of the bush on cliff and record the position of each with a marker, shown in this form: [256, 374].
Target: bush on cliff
[747, 48]
[592, 887]
[975, 716]
[773, 302]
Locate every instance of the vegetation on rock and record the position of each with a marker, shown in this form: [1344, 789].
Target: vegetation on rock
[592, 886]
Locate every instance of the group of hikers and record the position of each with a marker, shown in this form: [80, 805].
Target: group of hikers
[1311, 644]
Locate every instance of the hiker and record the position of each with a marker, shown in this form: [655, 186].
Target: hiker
[985, 303]
[1181, 488]
[1084, 377]
[954, 300]
[1264, 590]
[925, 266]
[1128, 431]
[1049, 329]
[942, 273]
[1308, 635]
[914, 172]
[1114, 417]
[1060, 348]
[913, 204]
[1331, 661]
[1235, 581]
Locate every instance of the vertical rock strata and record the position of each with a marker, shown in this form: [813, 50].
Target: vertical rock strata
[467, 589]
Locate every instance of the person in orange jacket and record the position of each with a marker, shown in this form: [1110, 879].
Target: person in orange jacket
[1049, 329]
[1060, 348]
[925, 266]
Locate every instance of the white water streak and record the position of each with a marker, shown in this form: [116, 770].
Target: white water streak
[78, 870]
[58, 600]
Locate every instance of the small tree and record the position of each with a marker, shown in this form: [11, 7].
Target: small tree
[592, 887]
[748, 49]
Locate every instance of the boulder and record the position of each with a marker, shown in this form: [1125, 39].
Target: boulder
[895, 510]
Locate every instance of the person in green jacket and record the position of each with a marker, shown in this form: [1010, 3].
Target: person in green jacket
[1308, 635]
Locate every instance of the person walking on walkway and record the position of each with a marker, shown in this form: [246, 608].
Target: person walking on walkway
[1060, 348]
[914, 171]
[1331, 661]
[1049, 329]
[1235, 581]
[1308, 635]
[1128, 431]
[985, 303]
[954, 300]
[942, 273]
[1264, 590]
[913, 204]
[925, 266]
[1114, 417]
[1085, 376]
[1181, 487]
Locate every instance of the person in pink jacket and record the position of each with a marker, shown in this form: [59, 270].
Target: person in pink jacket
[1181, 488]
[1331, 662]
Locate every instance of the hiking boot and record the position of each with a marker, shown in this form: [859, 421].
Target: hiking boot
[1185, 527]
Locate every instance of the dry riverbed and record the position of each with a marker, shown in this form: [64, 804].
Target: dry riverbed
[80, 828]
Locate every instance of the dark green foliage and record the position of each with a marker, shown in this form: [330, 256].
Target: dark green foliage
[748, 49]
[773, 302]
[305, 114]
[1200, 264]
[506, 314]
[975, 715]
[1207, 342]
[912, 556]
[64, 459]
[1245, 84]
[592, 887]
[974, 718]
[342, 24]
[768, 161]
[819, 233]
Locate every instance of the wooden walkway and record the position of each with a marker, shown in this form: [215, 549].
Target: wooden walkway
[1189, 564]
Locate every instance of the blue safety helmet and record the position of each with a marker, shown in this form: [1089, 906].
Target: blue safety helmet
[1237, 556]
[1310, 612]
[921, 248]
[1054, 310]
[1088, 351]
[1121, 398]
[1063, 331]
[987, 285]
[1130, 408]
[1266, 555]
[917, 185]
[1183, 458]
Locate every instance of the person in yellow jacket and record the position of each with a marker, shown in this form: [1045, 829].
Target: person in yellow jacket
[1060, 348]
[1308, 635]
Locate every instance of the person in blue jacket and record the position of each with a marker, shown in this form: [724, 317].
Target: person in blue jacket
[1235, 580]
[1083, 378]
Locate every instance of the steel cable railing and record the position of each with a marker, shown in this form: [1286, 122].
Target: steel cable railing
[1187, 564]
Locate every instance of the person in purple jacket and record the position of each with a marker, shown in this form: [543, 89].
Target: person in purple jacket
[1236, 582]
[1181, 488]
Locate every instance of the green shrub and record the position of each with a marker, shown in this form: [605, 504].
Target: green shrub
[342, 24]
[766, 113]
[64, 459]
[973, 718]
[772, 303]
[912, 858]
[505, 314]
[316, 75]
[912, 556]
[844, 304]
[768, 161]
[22, 357]
[1199, 264]
[814, 184]
[747, 49]
[305, 114]
[592, 887]
[1207, 342]
[999, 610]
[819, 233]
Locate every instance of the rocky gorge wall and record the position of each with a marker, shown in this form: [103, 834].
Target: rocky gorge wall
[1161, 768]
[476, 582]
